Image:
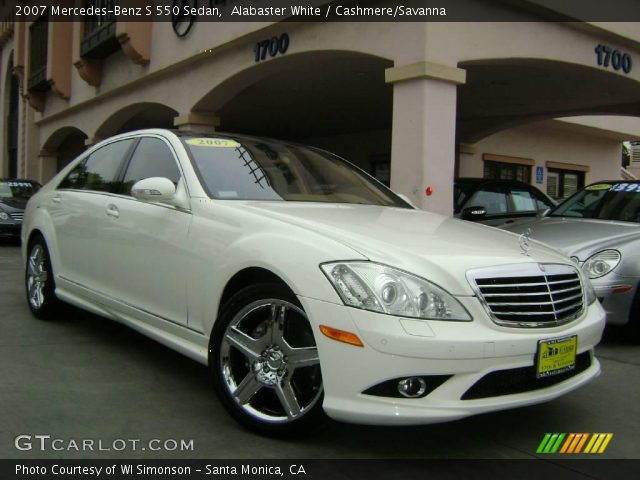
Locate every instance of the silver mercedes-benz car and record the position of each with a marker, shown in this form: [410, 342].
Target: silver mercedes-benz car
[599, 227]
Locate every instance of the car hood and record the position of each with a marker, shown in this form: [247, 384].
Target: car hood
[12, 205]
[433, 246]
[575, 235]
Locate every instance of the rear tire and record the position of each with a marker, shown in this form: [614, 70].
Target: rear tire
[39, 282]
[264, 362]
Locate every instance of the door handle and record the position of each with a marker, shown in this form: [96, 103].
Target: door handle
[112, 211]
[56, 199]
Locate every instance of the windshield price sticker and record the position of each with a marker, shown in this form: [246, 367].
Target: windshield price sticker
[599, 186]
[626, 187]
[213, 142]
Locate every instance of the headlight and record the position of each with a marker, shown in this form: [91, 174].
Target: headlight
[601, 263]
[378, 288]
[4, 215]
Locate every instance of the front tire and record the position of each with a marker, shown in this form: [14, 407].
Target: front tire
[39, 282]
[264, 362]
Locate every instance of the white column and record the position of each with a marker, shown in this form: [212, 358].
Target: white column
[196, 122]
[424, 133]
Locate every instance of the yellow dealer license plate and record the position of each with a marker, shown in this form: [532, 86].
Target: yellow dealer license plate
[556, 356]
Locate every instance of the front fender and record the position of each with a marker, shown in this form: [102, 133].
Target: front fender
[294, 256]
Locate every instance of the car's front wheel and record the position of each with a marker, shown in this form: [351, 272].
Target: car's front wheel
[39, 281]
[265, 362]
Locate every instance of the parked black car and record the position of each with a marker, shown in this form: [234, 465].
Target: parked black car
[14, 195]
[497, 202]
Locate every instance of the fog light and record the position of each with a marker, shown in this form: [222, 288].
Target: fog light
[412, 387]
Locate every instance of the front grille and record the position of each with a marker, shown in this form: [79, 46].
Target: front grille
[17, 216]
[519, 380]
[530, 295]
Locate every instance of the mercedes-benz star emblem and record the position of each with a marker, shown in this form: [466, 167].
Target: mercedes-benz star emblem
[524, 241]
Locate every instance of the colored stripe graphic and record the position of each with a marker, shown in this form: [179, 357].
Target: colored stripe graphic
[543, 443]
[573, 443]
[598, 443]
[567, 443]
[582, 440]
[550, 443]
[590, 444]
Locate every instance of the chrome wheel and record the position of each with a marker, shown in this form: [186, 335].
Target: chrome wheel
[37, 276]
[269, 361]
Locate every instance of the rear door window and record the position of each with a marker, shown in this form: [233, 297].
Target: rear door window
[523, 200]
[492, 198]
[99, 171]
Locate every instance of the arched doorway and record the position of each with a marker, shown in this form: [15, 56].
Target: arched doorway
[335, 100]
[64, 145]
[545, 122]
[503, 93]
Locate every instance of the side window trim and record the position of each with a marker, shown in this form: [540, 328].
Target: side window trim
[125, 164]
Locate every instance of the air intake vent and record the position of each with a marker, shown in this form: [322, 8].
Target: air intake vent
[530, 295]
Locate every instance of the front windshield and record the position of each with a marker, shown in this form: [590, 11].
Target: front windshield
[16, 189]
[254, 169]
[603, 201]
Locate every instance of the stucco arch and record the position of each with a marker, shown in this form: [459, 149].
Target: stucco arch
[136, 116]
[61, 147]
[333, 99]
[53, 142]
[309, 61]
[501, 93]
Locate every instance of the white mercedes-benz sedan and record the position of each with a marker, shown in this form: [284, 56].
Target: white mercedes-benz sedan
[307, 287]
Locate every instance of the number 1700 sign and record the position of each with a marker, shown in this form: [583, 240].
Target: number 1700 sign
[271, 47]
[608, 57]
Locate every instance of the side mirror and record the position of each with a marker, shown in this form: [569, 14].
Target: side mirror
[474, 213]
[154, 189]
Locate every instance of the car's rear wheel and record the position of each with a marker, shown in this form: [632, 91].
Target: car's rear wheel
[39, 281]
[265, 363]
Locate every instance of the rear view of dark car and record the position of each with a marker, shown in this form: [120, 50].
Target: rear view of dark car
[497, 202]
[14, 195]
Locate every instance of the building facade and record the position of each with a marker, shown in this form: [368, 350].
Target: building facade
[415, 104]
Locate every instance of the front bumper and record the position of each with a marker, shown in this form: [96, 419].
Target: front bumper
[10, 228]
[467, 351]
